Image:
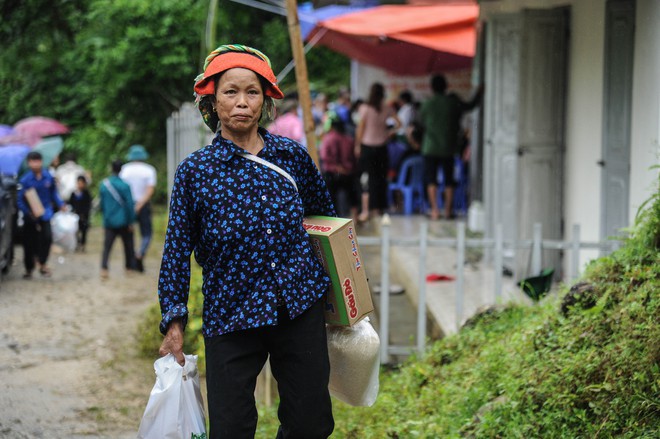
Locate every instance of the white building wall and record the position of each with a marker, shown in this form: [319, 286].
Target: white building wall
[364, 75]
[584, 106]
[646, 105]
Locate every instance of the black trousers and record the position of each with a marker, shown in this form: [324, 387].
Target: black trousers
[81, 235]
[299, 361]
[349, 185]
[374, 161]
[37, 239]
[127, 239]
[146, 229]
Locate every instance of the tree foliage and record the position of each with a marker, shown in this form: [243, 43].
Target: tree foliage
[114, 70]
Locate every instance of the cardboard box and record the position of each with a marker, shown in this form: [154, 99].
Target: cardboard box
[335, 243]
[34, 202]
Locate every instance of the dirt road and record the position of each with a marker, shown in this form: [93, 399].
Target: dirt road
[68, 360]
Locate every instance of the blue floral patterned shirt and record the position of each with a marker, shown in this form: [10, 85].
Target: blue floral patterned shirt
[243, 220]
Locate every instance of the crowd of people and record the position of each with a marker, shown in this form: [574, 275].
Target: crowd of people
[363, 144]
[124, 199]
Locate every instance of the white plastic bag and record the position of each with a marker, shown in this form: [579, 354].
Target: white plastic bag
[175, 409]
[354, 353]
[64, 226]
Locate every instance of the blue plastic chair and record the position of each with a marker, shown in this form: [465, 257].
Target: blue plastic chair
[395, 151]
[410, 183]
[459, 206]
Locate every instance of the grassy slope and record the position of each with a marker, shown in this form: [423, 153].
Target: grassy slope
[521, 372]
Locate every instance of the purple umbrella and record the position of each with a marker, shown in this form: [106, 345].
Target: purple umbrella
[11, 157]
[11, 137]
[5, 130]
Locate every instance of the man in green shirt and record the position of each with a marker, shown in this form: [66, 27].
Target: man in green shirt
[440, 117]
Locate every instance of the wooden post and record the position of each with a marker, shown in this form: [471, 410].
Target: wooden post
[302, 80]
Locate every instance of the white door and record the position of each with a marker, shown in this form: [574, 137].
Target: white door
[524, 127]
[541, 130]
[619, 42]
[501, 126]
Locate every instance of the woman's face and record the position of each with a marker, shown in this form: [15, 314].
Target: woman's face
[239, 98]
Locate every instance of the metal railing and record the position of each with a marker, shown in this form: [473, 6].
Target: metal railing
[460, 243]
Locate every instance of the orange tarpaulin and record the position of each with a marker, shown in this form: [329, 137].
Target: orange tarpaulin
[405, 39]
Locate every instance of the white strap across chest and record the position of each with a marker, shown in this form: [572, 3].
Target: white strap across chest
[272, 166]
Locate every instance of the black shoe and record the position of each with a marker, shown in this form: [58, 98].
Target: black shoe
[138, 265]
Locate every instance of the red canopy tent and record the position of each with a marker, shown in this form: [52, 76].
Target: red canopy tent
[405, 39]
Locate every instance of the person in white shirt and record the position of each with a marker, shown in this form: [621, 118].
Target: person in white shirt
[141, 177]
[67, 175]
[406, 113]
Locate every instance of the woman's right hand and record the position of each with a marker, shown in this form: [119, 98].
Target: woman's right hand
[173, 342]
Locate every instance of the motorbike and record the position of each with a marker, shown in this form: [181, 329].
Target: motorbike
[8, 216]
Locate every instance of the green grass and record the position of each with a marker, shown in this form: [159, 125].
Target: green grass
[588, 370]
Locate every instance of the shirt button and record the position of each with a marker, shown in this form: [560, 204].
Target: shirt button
[269, 231]
[272, 264]
[263, 197]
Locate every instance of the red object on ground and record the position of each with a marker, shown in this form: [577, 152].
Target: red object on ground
[405, 39]
[431, 277]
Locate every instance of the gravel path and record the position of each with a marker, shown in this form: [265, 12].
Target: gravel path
[68, 360]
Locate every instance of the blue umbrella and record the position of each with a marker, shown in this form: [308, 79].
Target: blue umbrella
[11, 157]
[50, 148]
[309, 16]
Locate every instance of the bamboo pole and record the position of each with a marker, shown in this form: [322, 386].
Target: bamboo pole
[302, 80]
[209, 33]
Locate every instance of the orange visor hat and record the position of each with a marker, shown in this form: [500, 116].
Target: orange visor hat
[230, 60]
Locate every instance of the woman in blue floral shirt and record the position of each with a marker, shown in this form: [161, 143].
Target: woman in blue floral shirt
[263, 286]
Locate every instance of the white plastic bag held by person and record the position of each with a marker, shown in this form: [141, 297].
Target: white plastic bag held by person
[175, 409]
[64, 226]
[354, 363]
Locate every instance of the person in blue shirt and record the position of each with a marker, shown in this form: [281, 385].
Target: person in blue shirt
[263, 285]
[37, 234]
[118, 211]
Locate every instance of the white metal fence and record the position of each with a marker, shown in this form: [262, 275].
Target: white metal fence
[460, 243]
[186, 133]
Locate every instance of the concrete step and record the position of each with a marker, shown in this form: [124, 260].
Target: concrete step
[441, 295]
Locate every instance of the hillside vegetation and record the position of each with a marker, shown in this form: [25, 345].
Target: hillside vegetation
[581, 364]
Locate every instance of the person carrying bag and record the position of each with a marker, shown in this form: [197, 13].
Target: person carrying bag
[118, 212]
